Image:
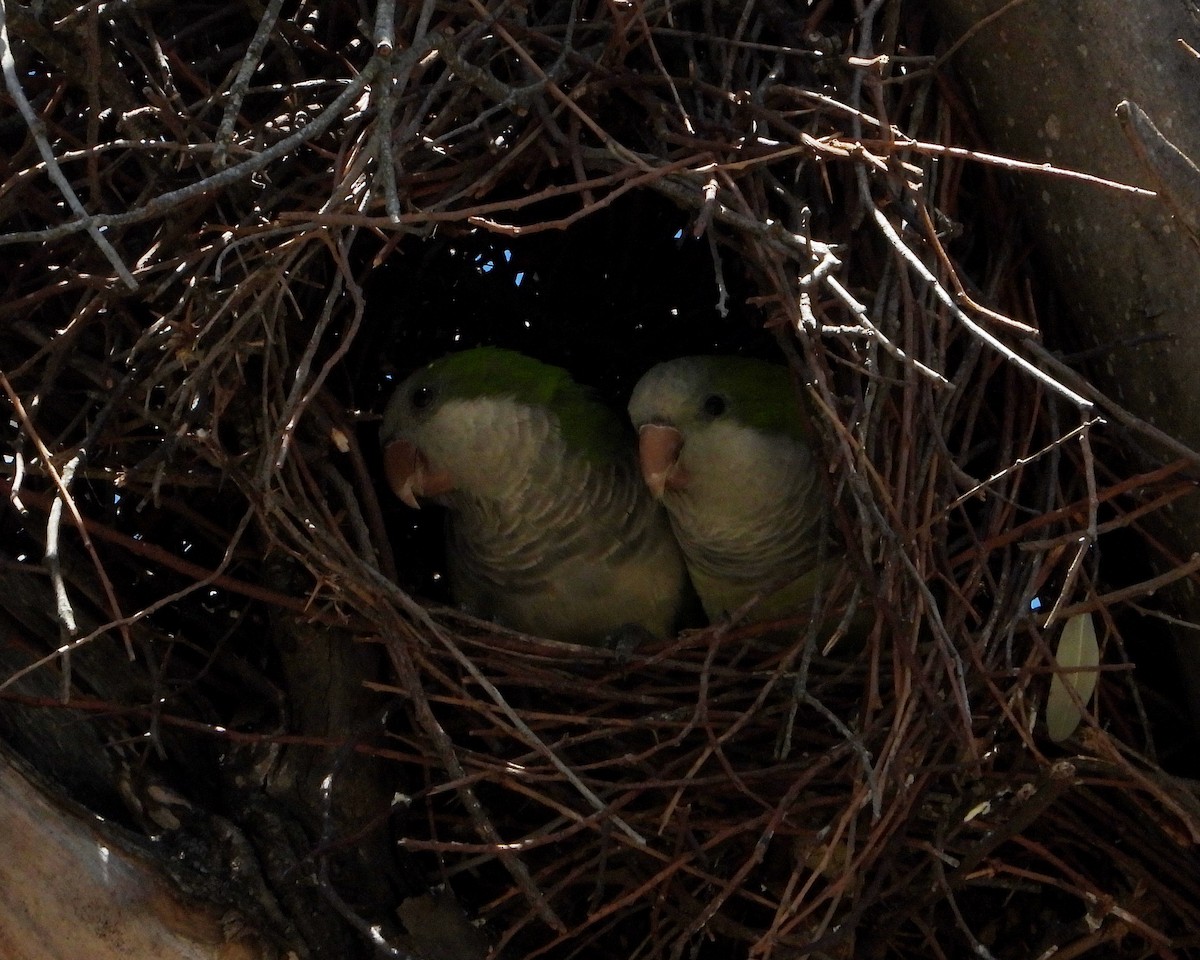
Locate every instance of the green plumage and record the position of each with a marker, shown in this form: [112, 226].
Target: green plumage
[587, 425]
[759, 394]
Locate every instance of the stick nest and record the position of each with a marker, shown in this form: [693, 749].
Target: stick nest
[193, 198]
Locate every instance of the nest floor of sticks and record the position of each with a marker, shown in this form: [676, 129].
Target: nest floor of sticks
[229, 229]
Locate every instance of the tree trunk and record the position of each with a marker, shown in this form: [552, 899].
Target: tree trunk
[1046, 79]
[71, 891]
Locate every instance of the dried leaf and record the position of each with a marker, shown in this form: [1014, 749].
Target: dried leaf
[1077, 648]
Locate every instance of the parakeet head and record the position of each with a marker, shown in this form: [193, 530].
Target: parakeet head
[708, 418]
[471, 420]
[725, 447]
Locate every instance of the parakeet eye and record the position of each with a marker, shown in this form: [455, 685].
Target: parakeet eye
[421, 398]
[714, 405]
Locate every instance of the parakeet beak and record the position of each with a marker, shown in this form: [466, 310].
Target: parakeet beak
[658, 453]
[408, 473]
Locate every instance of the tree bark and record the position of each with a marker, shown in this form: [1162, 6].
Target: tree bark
[71, 891]
[1046, 78]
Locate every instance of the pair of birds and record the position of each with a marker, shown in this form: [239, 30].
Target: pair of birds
[557, 524]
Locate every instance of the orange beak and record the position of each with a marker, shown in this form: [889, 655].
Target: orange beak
[408, 474]
[658, 454]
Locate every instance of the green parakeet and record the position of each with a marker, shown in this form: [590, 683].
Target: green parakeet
[550, 530]
[724, 446]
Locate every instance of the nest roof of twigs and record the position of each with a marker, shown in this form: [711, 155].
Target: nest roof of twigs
[193, 198]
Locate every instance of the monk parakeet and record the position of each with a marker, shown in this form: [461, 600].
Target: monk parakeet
[550, 530]
[726, 449]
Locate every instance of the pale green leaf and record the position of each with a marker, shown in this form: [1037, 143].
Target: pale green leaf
[1079, 653]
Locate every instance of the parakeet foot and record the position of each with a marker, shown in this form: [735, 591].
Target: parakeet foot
[627, 638]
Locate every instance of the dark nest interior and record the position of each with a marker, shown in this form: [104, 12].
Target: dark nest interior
[229, 227]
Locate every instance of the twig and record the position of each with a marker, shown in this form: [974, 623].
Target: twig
[1173, 170]
[1145, 588]
[37, 129]
[237, 89]
[517, 870]
[166, 202]
[65, 499]
[202, 575]
[940, 292]
[975, 28]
